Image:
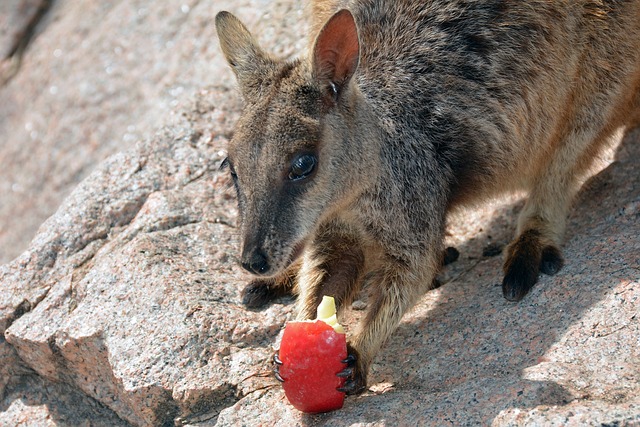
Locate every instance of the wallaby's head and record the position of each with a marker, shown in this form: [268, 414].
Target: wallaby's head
[289, 153]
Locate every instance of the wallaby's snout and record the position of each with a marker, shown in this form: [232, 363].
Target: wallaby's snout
[255, 261]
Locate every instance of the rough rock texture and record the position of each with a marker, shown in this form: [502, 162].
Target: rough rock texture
[95, 77]
[124, 309]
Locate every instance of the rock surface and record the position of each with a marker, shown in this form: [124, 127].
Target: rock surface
[96, 77]
[125, 310]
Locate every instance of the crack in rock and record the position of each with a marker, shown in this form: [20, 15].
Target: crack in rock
[22, 37]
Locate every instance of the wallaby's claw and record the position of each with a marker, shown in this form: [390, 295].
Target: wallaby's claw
[355, 382]
[350, 360]
[276, 369]
[350, 369]
[346, 372]
[276, 359]
[354, 385]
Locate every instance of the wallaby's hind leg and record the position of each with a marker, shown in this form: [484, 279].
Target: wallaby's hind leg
[260, 292]
[541, 224]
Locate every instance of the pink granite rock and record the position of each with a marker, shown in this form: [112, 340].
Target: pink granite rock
[125, 309]
[96, 77]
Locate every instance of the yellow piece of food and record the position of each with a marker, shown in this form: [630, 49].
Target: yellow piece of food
[327, 313]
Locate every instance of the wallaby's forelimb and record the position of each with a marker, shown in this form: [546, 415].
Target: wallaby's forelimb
[333, 265]
[398, 288]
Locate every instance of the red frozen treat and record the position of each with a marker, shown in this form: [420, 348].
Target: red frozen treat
[312, 353]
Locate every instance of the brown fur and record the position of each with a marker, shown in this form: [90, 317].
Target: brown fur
[354, 155]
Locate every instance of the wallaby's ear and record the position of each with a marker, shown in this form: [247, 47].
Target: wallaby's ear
[242, 52]
[336, 53]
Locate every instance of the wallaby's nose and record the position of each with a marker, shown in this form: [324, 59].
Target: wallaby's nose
[255, 262]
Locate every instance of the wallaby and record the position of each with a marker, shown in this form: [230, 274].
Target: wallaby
[347, 161]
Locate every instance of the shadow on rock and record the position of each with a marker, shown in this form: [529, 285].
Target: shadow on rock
[40, 401]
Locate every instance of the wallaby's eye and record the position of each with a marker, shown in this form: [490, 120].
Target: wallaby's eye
[302, 166]
[224, 164]
[334, 90]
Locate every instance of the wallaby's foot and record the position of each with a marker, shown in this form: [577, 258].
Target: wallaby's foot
[552, 260]
[526, 258]
[451, 254]
[356, 378]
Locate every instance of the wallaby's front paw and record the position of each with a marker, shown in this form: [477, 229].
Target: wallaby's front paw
[257, 294]
[260, 292]
[526, 258]
[356, 380]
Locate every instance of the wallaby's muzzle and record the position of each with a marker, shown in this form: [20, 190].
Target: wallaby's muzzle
[255, 261]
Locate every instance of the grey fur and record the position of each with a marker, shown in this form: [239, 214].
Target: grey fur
[446, 104]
